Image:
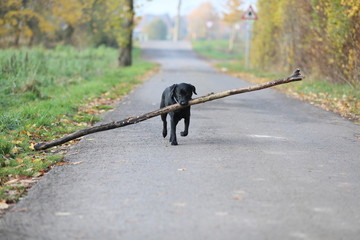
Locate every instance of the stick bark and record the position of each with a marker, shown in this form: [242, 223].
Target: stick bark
[296, 76]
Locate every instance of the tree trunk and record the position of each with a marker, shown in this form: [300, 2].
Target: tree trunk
[177, 23]
[69, 31]
[125, 57]
[296, 76]
[232, 38]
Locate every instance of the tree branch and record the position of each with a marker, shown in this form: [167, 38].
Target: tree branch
[296, 76]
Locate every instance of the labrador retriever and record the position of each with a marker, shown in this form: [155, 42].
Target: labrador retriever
[181, 94]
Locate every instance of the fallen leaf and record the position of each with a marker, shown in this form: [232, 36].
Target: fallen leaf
[15, 150]
[22, 177]
[75, 163]
[38, 160]
[12, 181]
[179, 204]
[4, 205]
[28, 181]
[38, 174]
[32, 146]
[219, 166]
[181, 169]
[238, 197]
[19, 160]
[62, 214]
[221, 213]
[19, 166]
[62, 163]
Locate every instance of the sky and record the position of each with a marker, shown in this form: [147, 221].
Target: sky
[158, 7]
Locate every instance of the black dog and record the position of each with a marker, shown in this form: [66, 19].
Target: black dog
[177, 93]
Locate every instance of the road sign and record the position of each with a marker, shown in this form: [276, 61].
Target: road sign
[209, 24]
[250, 14]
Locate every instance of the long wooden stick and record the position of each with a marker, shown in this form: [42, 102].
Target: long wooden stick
[296, 76]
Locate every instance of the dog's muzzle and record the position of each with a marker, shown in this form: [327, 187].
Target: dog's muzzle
[182, 102]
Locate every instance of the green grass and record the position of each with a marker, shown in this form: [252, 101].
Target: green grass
[27, 74]
[342, 99]
[238, 66]
[218, 49]
[43, 94]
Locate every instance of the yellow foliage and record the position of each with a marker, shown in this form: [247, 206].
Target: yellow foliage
[13, 3]
[198, 19]
[22, 21]
[353, 7]
[69, 11]
[321, 36]
[233, 13]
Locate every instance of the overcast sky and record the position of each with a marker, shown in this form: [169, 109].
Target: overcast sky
[170, 6]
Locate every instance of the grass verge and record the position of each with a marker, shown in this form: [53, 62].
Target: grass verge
[341, 99]
[218, 49]
[59, 102]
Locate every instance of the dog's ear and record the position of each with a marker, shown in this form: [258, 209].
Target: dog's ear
[193, 89]
[172, 90]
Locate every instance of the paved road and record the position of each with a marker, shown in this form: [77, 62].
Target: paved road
[254, 166]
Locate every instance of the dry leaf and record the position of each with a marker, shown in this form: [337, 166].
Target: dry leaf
[19, 166]
[38, 174]
[221, 213]
[32, 146]
[4, 205]
[28, 181]
[238, 197]
[75, 163]
[62, 214]
[179, 204]
[12, 181]
[62, 163]
[19, 160]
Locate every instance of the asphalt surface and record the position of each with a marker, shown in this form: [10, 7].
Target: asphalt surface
[258, 165]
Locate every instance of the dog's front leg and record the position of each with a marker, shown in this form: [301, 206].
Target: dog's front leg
[186, 129]
[163, 118]
[174, 122]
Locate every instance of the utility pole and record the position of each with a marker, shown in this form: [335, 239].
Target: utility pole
[249, 16]
[247, 44]
[177, 23]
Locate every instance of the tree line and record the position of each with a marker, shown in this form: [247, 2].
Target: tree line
[81, 23]
[321, 36]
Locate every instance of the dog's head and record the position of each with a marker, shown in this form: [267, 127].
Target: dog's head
[182, 93]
